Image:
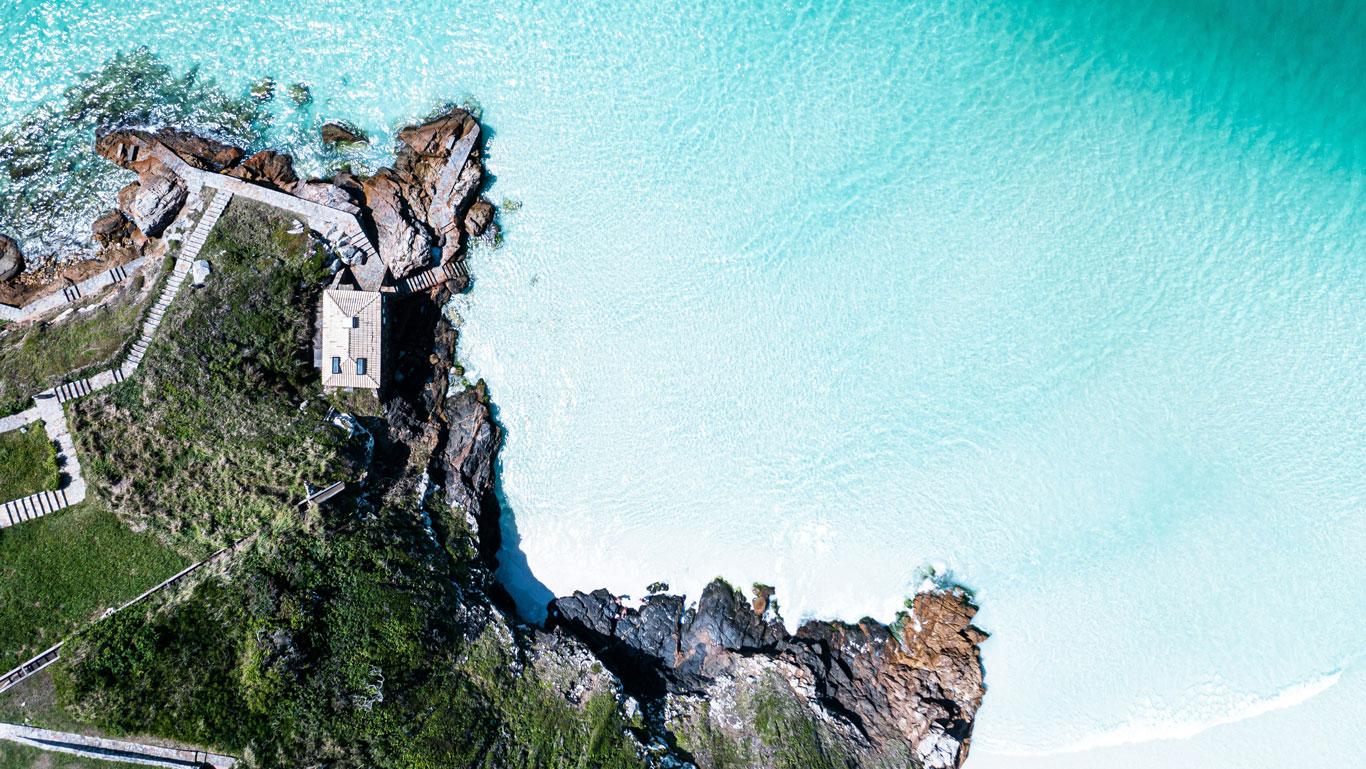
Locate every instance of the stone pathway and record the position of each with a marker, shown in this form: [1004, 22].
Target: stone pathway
[113, 750]
[337, 225]
[71, 294]
[48, 405]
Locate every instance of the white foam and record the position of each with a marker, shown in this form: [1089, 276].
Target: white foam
[1168, 727]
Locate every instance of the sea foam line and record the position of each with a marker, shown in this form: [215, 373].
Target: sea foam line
[1158, 730]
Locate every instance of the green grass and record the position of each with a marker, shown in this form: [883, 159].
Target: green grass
[342, 647]
[62, 570]
[14, 756]
[208, 443]
[28, 461]
[42, 356]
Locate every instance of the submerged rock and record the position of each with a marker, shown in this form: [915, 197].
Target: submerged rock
[339, 132]
[301, 94]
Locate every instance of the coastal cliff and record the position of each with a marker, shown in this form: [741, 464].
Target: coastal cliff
[719, 683]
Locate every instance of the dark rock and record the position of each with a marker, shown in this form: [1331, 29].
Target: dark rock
[263, 90]
[913, 686]
[11, 259]
[267, 167]
[339, 132]
[479, 218]
[468, 460]
[110, 227]
[301, 94]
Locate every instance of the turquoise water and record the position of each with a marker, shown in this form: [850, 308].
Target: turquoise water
[1066, 300]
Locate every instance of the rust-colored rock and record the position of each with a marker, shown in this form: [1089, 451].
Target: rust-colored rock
[403, 242]
[267, 167]
[479, 218]
[131, 149]
[434, 138]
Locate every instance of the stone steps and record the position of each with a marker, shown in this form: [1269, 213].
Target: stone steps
[33, 506]
[73, 390]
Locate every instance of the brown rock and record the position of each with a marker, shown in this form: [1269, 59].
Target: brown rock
[268, 167]
[110, 227]
[403, 241]
[338, 132]
[479, 218]
[156, 202]
[11, 259]
[132, 149]
[434, 138]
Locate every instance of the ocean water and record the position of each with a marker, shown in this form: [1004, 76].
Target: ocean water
[1066, 299]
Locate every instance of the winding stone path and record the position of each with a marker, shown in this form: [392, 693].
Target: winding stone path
[48, 404]
[72, 294]
[113, 750]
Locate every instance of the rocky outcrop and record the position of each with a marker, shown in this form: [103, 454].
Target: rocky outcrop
[403, 242]
[111, 227]
[479, 218]
[443, 157]
[268, 167]
[130, 148]
[154, 203]
[910, 689]
[11, 259]
[472, 439]
[339, 132]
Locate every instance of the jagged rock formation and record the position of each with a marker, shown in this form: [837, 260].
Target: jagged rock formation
[156, 202]
[719, 684]
[909, 689]
[268, 167]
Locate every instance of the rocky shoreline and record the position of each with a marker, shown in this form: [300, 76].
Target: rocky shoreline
[721, 683]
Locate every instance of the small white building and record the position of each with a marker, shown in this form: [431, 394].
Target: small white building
[352, 338]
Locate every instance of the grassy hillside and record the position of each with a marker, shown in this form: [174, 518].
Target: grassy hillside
[63, 570]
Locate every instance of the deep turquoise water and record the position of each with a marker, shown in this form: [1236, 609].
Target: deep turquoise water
[1066, 299]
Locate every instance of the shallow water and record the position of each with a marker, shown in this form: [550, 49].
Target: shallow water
[1067, 300]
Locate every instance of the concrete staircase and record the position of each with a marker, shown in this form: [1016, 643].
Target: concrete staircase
[48, 405]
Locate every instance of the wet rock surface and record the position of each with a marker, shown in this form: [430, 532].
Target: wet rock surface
[11, 260]
[339, 132]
